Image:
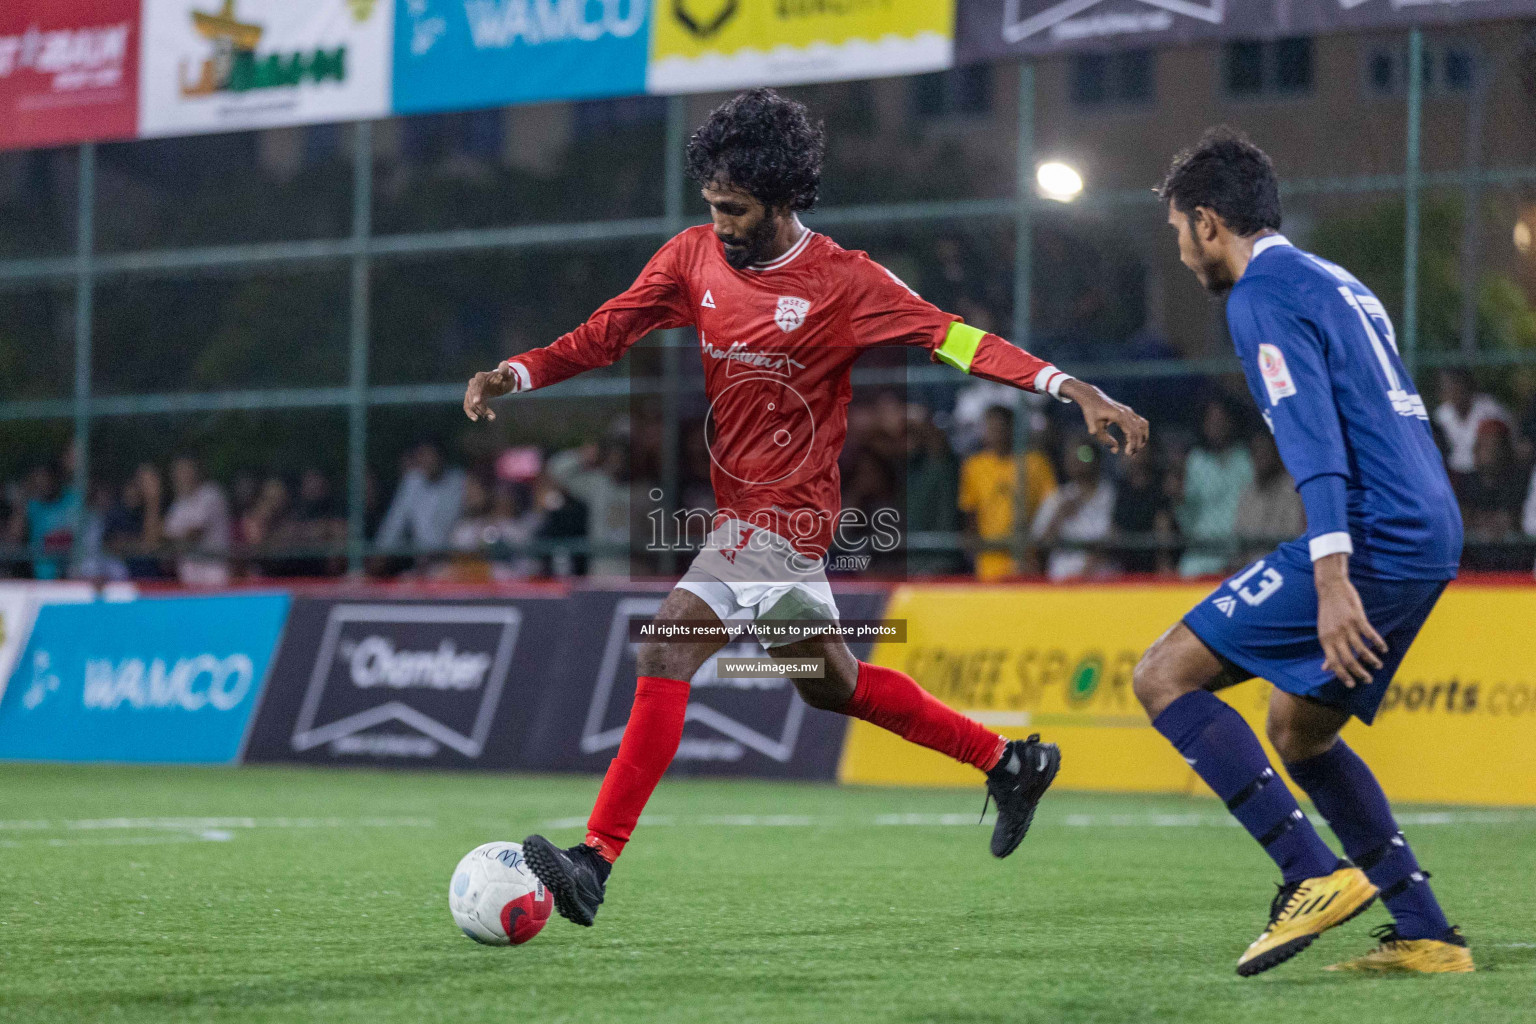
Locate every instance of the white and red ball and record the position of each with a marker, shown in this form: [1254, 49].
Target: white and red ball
[495, 899]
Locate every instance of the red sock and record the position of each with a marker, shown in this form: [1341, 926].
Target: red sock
[650, 741]
[893, 700]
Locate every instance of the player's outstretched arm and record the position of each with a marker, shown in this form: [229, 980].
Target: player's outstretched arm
[656, 301]
[1100, 412]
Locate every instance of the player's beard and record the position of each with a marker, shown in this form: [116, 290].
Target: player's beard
[754, 247]
[1213, 272]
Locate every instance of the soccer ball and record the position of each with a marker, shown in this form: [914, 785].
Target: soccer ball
[495, 899]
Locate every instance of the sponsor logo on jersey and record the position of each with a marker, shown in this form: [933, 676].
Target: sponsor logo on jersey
[1227, 605]
[791, 313]
[709, 300]
[742, 360]
[1277, 376]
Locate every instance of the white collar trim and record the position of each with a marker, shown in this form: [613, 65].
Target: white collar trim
[788, 257]
[1268, 242]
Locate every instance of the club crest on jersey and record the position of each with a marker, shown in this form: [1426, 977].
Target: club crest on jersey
[791, 313]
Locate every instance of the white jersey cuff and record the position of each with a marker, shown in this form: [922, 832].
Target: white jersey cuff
[520, 373]
[1049, 381]
[1336, 543]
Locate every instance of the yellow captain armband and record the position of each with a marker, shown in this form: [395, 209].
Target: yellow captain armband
[959, 346]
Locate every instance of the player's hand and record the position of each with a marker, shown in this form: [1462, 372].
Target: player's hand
[1351, 643]
[1100, 412]
[484, 386]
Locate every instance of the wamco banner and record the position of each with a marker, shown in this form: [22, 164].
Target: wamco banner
[1457, 725]
[455, 54]
[69, 72]
[159, 679]
[700, 45]
[993, 29]
[223, 65]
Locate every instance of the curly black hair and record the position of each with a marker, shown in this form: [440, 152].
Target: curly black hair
[1227, 173]
[763, 144]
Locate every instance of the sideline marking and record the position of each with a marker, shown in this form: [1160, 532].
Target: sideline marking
[969, 820]
[98, 831]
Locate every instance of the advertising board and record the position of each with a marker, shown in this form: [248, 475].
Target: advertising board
[1458, 724]
[457, 54]
[69, 72]
[170, 679]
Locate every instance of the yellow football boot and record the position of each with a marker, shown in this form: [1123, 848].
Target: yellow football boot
[1447, 955]
[1302, 911]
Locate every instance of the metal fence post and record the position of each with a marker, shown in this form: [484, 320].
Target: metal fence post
[672, 342]
[1411, 182]
[357, 372]
[85, 245]
[1023, 293]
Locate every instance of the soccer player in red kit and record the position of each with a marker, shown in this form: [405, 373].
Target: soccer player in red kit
[782, 312]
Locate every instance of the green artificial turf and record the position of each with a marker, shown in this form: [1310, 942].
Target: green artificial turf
[322, 895]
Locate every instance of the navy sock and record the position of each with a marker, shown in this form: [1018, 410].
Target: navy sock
[1348, 795]
[1224, 752]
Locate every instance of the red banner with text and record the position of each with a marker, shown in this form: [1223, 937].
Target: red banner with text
[69, 72]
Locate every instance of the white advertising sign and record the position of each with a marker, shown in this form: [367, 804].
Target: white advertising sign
[226, 65]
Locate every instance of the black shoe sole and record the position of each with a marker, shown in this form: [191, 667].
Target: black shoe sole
[544, 862]
[1280, 954]
[1036, 793]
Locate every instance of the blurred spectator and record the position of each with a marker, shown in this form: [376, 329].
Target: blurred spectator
[871, 488]
[967, 422]
[564, 518]
[1462, 411]
[1215, 474]
[315, 522]
[989, 485]
[244, 490]
[696, 491]
[95, 562]
[47, 520]
[1144, 510]
[498, 516]
[933, 490]
[199, 521]
[1491, 498]
[426, 504]
[132, 527]
[887, 436]
[265, 516]
[1269, 510]
[598, 475]
[1082, 509]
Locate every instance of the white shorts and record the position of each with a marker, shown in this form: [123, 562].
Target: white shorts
[746, 572]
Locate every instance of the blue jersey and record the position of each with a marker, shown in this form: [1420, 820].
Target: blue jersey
[1321, 360]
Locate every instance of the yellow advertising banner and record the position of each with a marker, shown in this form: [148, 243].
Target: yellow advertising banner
[1458, 725]
[701, 45]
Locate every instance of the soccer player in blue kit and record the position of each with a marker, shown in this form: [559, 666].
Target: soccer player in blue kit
[1328, 617]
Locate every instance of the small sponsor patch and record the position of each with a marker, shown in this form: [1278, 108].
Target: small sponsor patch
[1277, 376]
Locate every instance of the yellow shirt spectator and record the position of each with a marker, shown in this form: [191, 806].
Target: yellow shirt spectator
[988, 487]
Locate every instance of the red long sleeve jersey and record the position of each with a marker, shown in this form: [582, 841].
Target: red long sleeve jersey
[777, 341]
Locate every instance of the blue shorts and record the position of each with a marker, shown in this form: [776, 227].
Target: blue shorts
[1264, 621]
